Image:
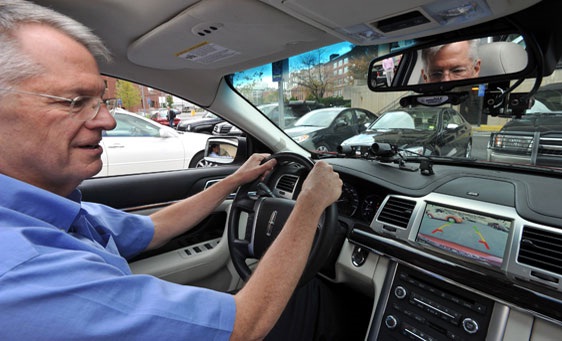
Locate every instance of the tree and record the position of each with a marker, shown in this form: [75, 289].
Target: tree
[360, 58]
[314, 76]
[128, 93]
[169, 101]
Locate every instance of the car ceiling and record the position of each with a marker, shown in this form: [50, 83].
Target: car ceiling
[157, 42]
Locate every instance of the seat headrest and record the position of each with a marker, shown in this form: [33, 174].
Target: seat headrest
[501, 57]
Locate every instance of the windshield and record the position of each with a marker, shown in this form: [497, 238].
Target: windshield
[335, 77]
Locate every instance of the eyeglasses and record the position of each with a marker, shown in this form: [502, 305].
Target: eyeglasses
[81, 108]
[456, 73]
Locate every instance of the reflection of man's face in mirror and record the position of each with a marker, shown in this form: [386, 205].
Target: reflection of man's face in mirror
[451, 62]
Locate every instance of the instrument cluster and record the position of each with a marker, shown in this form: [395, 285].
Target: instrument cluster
[360, 202]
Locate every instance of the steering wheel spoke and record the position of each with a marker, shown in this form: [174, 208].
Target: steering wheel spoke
[261, 219]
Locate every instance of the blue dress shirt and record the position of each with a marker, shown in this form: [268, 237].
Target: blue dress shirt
[64, 275]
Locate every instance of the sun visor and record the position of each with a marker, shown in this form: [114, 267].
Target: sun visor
[214, 33]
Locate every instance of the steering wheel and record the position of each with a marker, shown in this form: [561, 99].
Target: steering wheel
[256, 218]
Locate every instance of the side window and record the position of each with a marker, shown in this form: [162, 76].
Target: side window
[143, 139]
[446, 118]
[456, 118]
[360, 117]
[346, 116]
[130, 126]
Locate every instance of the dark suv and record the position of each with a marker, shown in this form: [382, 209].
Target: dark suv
[536, 138]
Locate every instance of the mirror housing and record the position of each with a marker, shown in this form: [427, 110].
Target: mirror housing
[432, 68]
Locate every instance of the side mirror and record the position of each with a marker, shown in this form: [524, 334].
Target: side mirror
[226, 150]
[452, 126]
[341, 123]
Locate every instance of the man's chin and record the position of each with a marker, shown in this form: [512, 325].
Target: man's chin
[92, 170]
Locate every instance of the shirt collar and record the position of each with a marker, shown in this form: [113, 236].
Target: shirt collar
[33, 201]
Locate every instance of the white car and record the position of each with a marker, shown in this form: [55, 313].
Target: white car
[140, 145]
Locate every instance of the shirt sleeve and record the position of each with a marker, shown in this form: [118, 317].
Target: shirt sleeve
[131, 232]
[59, 294]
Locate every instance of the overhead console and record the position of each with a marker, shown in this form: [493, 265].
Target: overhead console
[373, 24]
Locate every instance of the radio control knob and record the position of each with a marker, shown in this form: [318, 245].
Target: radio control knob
[400, 292]
[391, 322]
[469, 325]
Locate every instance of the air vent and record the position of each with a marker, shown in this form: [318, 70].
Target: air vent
[287, 183]
[541, 249]
[397, 212]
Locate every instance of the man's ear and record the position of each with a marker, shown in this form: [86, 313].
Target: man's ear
[424, 76]
[477, 68]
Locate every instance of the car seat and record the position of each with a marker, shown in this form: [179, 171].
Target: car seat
[501, 57]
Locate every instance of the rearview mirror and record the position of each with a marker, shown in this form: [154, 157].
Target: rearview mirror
[428, 68]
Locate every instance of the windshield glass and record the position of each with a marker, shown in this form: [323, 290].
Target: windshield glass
[305, 95]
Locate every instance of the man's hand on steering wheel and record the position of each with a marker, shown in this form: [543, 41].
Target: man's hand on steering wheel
[256, 219]
[254, 168]
[322, 186]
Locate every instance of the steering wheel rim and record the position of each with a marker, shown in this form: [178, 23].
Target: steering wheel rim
[264, 217]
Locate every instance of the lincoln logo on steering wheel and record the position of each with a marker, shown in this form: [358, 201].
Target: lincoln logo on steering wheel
[271, 223]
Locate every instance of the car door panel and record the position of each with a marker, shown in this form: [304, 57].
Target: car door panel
[198, 257]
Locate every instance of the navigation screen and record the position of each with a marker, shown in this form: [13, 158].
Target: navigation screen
[477, 237]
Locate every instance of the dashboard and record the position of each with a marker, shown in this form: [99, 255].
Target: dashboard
[458, 239]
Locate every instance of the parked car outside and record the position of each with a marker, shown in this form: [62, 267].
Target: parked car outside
[272, 112]
[226, 129]
[139, 145]
[203, 124]
[324, 129]
[535, 138]
[420, 130]
[293, 111]
[161, 117]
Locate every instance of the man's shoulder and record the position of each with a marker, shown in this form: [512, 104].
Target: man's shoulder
[16, 249]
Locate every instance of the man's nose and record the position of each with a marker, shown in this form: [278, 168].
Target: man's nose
[104, 119]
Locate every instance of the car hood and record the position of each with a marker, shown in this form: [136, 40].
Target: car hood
[535, 122]
[301, 130]
[195, 141]
[400, 137]
[198, 120]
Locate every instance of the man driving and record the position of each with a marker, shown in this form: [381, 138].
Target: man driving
[450, 62]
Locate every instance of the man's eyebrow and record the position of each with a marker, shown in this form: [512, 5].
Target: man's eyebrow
[91, 91]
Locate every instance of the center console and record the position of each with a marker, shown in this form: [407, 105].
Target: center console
[422, 307]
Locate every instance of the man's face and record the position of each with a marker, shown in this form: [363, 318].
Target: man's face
[42, 144]
[451, 62]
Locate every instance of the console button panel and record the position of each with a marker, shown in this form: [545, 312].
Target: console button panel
[422, 307]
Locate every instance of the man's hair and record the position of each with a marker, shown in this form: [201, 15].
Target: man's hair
[430, 52]
[15, 66]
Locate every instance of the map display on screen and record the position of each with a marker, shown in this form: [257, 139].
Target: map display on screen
[476, 237]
